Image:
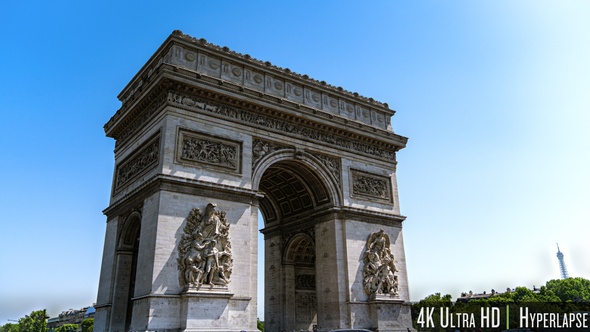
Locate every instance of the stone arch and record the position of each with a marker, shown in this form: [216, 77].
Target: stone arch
[126, 270]
[129, 231]
[300, 249]
[321, 185]
[296, 189]
[301, 311]
[201, 124]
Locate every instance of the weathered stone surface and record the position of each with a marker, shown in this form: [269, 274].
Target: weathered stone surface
[201, 125]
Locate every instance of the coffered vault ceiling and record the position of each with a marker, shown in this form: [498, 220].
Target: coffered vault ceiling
[290, 189]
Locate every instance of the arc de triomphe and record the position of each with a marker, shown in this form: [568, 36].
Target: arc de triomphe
[205, 139]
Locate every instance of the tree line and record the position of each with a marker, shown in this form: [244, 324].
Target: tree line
[37, 321]
[559, 296]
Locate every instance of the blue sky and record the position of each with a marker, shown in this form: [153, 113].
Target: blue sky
[493, 95]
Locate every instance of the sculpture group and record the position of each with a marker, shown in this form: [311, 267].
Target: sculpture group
[379, 272]
[204, 251]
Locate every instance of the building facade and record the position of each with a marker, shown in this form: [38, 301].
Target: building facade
[205, 139]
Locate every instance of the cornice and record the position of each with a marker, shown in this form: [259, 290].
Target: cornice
[170, 183]
[268, 66]
[201, 95]
[186, 57]
[346, 213]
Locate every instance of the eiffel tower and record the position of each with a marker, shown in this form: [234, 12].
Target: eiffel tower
[562, 267]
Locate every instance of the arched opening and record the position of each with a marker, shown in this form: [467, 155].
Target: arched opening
[294, 194]
[126, 269]
[299, 266]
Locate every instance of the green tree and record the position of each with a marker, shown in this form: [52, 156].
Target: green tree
[10, 327]
[88, 325]
[35, 321]
[570, 289]
[67, 328]
[260, 325]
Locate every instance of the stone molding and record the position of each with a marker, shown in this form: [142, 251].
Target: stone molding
[171, 183]
[195, 148]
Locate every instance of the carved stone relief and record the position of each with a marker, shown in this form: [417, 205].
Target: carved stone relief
[379, 271]
[333, 165]
[141, 119]
[199, 148]
[146, 158]
[262, 148]
[204, 251]
[371, 186]
[283, 126]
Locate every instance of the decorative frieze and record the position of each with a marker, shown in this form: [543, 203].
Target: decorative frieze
[217, 62]
[370, 186]
[379, 271]
[282, 126]
[141, 118]
[195, 147]
[144, 159]
[204, 250]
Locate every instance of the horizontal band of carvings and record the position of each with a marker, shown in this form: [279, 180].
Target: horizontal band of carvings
[291, 127]
[370, 186]
[127, 120]
[226, 87]
[183, 186]
[122, 126]
[199, 148]
[145, 158]
[198, 55]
